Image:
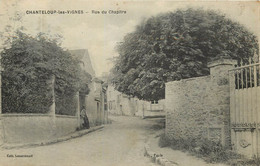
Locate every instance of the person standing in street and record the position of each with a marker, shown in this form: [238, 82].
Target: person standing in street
[84, 116]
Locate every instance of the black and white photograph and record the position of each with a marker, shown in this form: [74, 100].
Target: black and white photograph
[129, 83]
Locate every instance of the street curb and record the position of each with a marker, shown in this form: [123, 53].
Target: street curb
[157, 158]
[61, 139]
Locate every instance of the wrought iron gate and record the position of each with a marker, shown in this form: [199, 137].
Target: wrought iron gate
[244, 108]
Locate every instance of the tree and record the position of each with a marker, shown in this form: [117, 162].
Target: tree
[28, 65]
[177, 45]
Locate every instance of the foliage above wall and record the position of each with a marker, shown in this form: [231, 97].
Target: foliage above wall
[28, 65]
[174, 46]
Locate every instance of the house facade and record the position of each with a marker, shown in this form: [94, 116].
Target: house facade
[121, 104]
[94, 102]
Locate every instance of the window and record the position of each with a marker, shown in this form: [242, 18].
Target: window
[154, 102]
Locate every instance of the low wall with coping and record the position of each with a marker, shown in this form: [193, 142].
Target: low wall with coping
[65, 125]
[32, 128]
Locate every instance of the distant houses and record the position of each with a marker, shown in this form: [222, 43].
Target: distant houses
[121, 104]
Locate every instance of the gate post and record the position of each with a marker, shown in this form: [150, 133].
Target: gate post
[52, 107]
[233, 119]
[219, 70]
[52, 84]
[78, 109]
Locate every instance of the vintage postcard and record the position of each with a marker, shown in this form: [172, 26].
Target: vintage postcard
[129, 83]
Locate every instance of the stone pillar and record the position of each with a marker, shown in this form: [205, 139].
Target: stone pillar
[52, 107]
[219, 122]
[78, 108]
[232, 86]
[51, 83]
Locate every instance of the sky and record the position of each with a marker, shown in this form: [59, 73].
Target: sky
[100, 33]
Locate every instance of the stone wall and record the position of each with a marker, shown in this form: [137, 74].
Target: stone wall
[32, 128]
[94, 103]
[199, 107]
[65, 125]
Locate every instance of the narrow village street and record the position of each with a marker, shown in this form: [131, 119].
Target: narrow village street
[118, 144]
[118, 83]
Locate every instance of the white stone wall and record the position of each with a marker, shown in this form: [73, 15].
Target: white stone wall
[34, 128]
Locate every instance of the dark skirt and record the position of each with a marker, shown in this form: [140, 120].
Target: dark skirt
[86, 123]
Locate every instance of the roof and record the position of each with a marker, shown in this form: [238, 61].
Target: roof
[83, 56]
